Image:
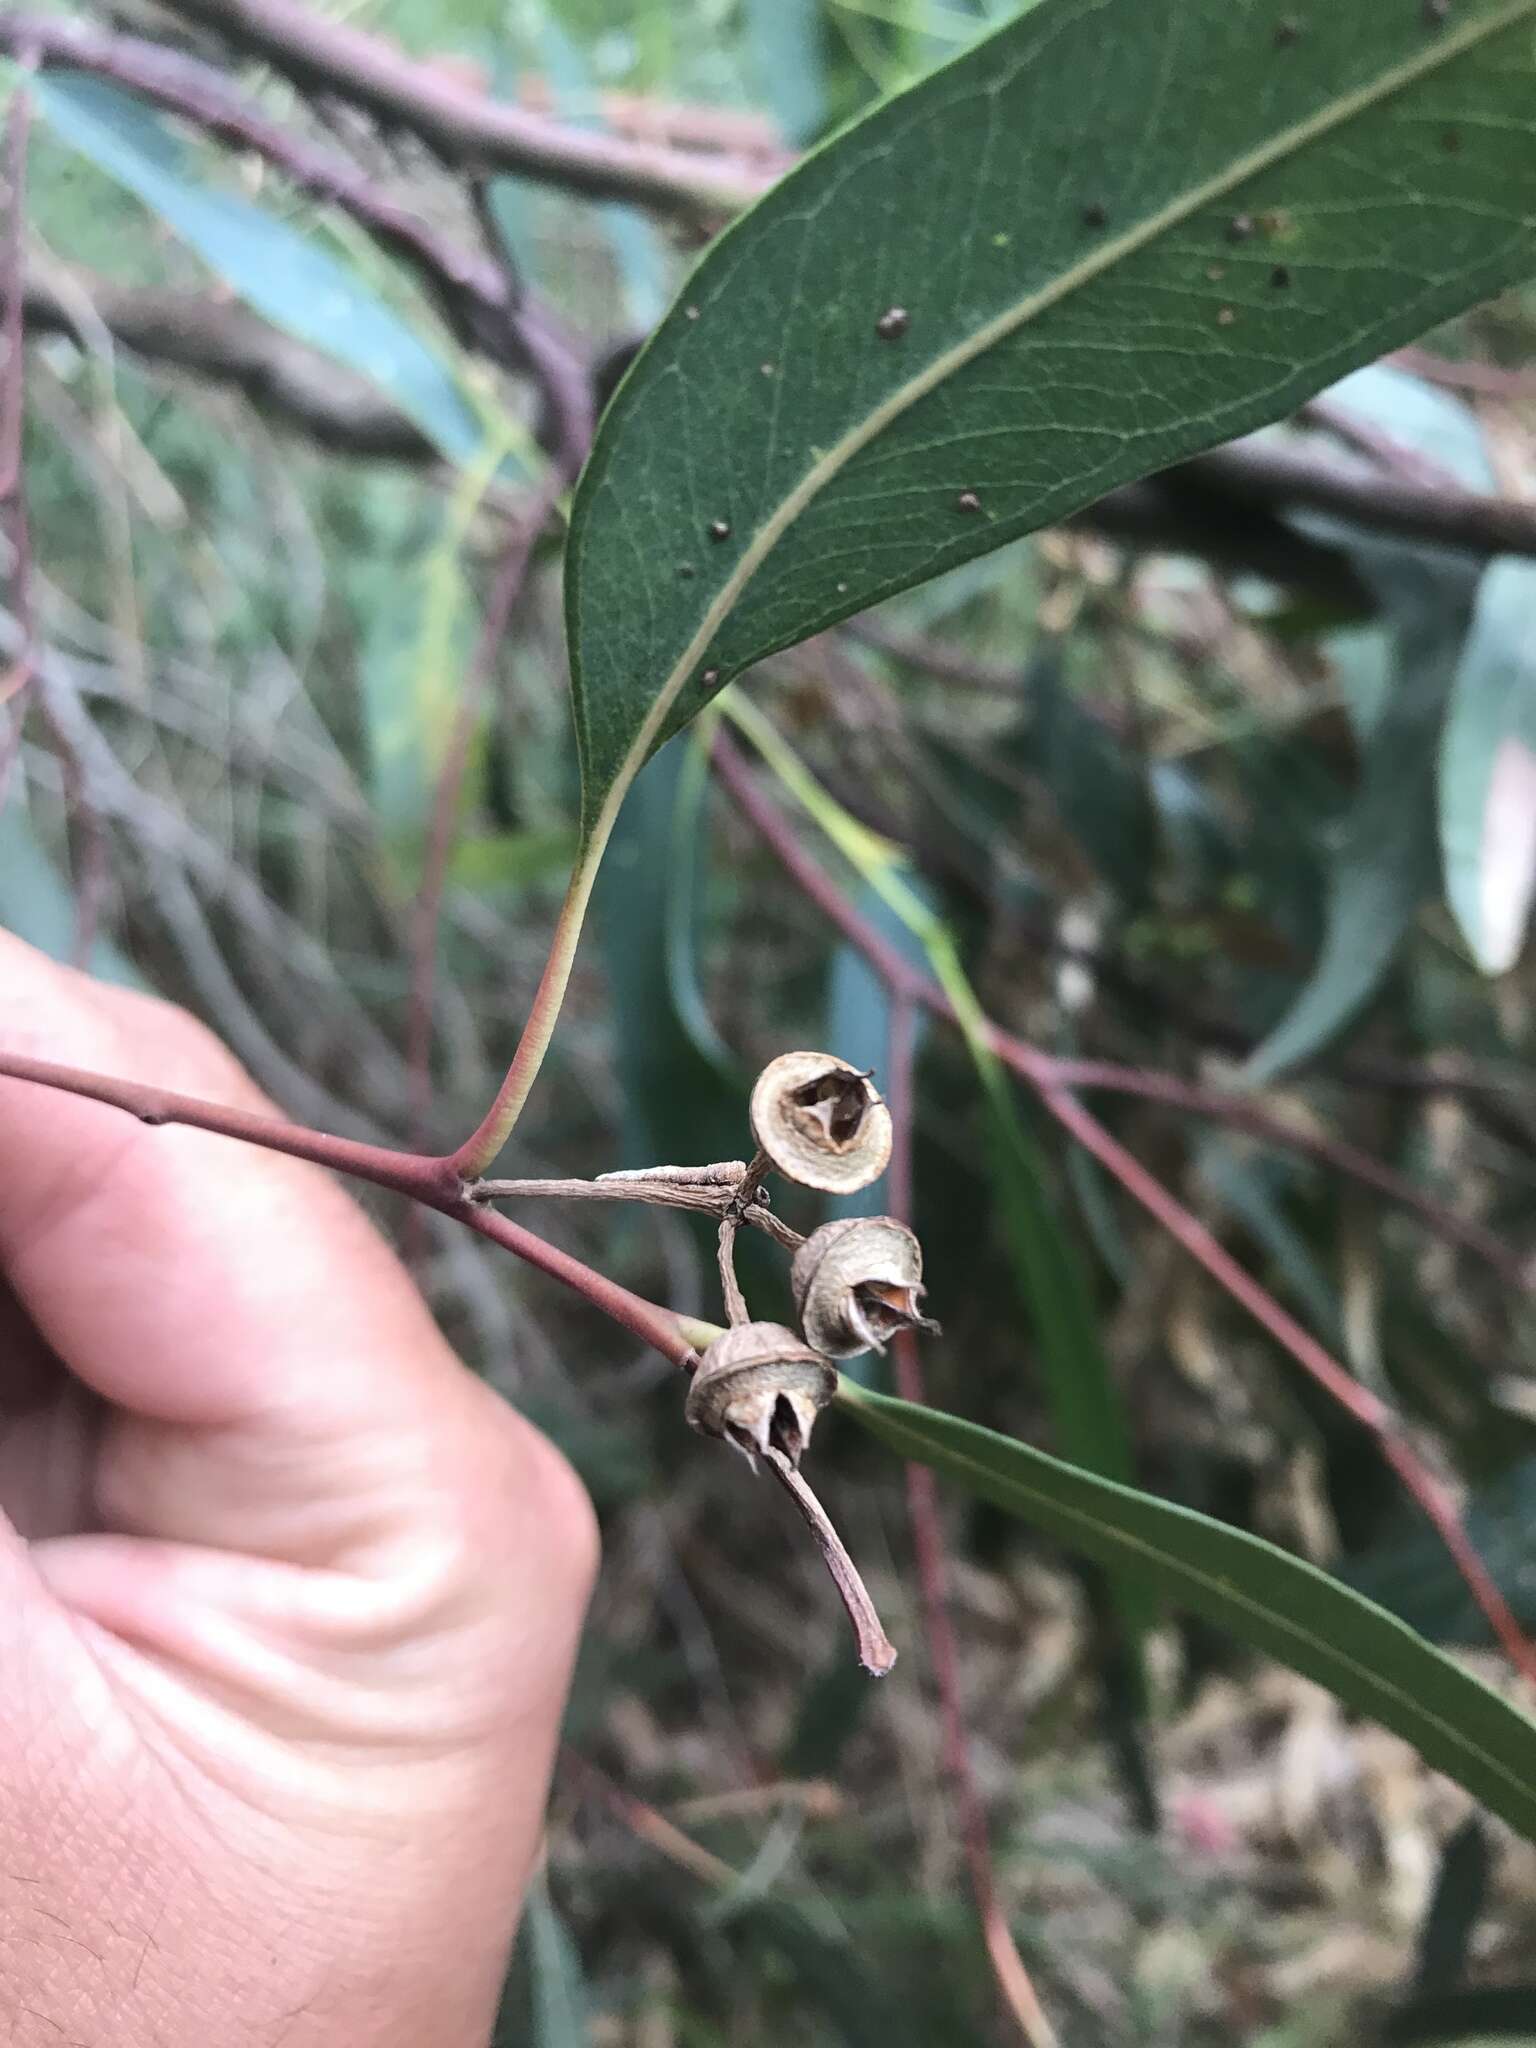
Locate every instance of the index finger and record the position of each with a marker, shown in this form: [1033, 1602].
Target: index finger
[181, 1274]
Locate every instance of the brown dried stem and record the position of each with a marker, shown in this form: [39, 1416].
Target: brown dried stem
[710, 1190]
[877, 1653]
[736, 1310]
[470, 129]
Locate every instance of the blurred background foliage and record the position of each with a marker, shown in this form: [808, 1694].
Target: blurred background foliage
[1220, 812]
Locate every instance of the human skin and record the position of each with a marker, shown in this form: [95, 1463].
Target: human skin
[288, 1598]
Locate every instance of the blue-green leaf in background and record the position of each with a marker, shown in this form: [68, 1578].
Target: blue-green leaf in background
[282, 273]
[1504, 2017]
[1384, 862]
[1277, 1603]
[35, 902]
[558, 1990]
[1488, 770]
[859, 1016]
[1410, 1572]
[639, 249]
[420, 631]
[784, 40]
[1099, 787]
[1251, 1186]
[1455, 1907]
[681, 1100]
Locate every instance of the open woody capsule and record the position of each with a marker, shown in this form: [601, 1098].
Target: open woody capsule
[820, 1122]
[857, 1282]
[759, 1386]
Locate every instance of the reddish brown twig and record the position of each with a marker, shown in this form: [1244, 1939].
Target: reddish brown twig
[1278, 478]
[933, 1576]
[651, 1827]
[1039, 1070]
[431, 1181]
[1241, 1114]
[1366, 1408]
[470, 129]
[1355, 431]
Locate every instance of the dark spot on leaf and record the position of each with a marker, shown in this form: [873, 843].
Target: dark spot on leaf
[1287, 32]
[967, 502]
[1435, 12]
[1280, 277]
[686, 572]
[1450, 141]
[719, 529]
[893, 323]
[1276, 223]
[1240, 227]
[1095, 215]
[1225, 317]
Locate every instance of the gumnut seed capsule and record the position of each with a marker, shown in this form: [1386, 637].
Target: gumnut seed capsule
[821, 1122]
[760, 1387]
[857, 1282]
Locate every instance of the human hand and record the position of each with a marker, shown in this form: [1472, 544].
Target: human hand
[288, 1598]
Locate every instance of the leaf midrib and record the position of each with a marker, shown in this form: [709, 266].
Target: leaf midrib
[1447, 43]
[904, 1437]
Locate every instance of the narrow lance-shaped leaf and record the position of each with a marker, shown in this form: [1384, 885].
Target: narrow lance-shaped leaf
[1383, 863]
[1487, 782]
[1109, 234]
[283, 273]
[558, 1988]
[36, 904]
[1289, 1609]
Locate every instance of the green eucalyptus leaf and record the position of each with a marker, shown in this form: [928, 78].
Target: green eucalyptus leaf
[1487, 781]
[681, 1098]
[1119, 230]
[557, 1987]
[858, 1023]
[784, 39]
[1384, 862]
[1455, 1907]
[418, 640]
[1409, 1572]
[1504, 2017]
[282, 273]
[1280, 1605]
[36, 903]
